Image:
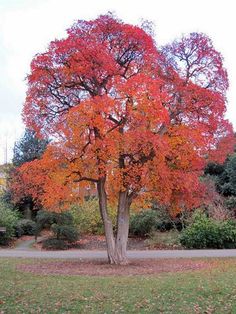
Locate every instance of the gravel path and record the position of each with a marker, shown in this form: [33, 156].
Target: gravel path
[93, 254]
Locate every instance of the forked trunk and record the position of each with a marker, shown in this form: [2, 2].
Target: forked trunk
[116, 249]
[27, 211]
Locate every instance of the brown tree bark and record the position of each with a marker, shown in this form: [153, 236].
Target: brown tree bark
[27, 211]
[124, 203]
[110, 240]
[116, 247]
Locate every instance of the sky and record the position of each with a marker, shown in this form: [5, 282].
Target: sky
[27, 27]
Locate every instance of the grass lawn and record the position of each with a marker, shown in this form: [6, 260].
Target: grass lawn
[211, 290]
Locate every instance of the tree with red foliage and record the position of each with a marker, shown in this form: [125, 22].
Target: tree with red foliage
[138, 121]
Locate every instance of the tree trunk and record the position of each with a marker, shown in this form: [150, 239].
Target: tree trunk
[27, 211]
[116, 248]
[110, 240]
[122, 227]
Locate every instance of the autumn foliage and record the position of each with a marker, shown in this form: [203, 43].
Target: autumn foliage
[138, 120]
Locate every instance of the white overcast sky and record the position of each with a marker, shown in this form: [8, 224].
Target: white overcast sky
[27, 26]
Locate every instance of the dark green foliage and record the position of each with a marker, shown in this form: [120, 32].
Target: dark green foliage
[143, 223]
[64, 232]
[205, 232]
[230, 202]
[44, 219]
[28, 148]
[54, 244]
[63, 218]
[25, 227]
[61, 224]
[8, 219]
[226, 182]
[214, 169]
[224, 176]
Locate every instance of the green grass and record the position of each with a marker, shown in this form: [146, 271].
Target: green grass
[207, 291]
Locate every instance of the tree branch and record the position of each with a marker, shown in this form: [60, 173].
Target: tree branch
[86, 179]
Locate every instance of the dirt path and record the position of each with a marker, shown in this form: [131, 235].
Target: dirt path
[95, 254]
[26, 245]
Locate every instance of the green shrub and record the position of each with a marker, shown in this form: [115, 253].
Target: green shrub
[66, 233]
[87, 217]
[144, 222]
[62, 226]
[205, 232]
[164, 221]
[25, 227]
[8, 219]
[230, 202]
[227, 232]
[44, 219]
[54, 244]
[64, 218]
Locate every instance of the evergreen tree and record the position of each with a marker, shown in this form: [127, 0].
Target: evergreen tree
[28, 148]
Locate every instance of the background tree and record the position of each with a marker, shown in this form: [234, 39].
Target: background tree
[137, 121]
[224, 178]
[27, 149]
[224, 175]
[227, 180]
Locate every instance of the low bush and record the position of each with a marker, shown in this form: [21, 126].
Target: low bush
[145, 222]
[205, 232]
[228, 234]
[62, 226]
[8, 219]
[64, 218]
[66, 233]
[87, 217]
[25, 227]
[54, 244]
[44, 219]
[88, 220]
